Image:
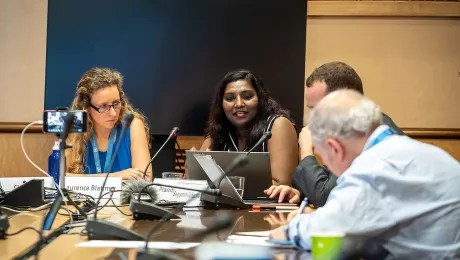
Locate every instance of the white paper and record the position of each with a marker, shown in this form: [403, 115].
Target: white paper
[135, 244]
[255, 233]
[254, 241]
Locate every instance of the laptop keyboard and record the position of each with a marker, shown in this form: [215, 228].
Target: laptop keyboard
[260, 201]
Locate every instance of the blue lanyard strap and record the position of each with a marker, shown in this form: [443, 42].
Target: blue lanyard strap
[109, 151]
[381, 137]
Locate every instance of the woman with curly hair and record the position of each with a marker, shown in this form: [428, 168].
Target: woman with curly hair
[241, 111]
[100, 93]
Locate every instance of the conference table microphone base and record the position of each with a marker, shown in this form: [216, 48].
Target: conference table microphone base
[221, 202]
[103, 230]
[148, 211]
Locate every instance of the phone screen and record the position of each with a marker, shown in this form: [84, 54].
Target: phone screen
[53, 121]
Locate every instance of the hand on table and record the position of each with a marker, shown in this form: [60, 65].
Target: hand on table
[130, 174]
[283, 191]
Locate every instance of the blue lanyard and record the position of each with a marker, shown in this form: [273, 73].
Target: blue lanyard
[381, 137]
[108, 158]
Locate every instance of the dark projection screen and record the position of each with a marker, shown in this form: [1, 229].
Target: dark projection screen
[173, 53]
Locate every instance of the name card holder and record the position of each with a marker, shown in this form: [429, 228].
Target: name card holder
[180, 195]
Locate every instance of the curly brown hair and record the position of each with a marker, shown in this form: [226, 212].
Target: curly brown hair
[90, 82]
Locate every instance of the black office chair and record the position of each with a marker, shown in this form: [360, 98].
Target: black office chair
[165, 160]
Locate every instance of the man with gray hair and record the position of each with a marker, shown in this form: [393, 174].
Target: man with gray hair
[390, 188]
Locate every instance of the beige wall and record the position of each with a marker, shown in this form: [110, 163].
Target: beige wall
[22, 59]
[409, 66]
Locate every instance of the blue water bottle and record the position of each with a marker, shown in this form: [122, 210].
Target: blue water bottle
[53, 163]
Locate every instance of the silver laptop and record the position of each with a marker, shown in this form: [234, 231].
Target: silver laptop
[257, 171]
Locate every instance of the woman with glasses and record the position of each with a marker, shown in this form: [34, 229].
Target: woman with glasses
[100, 92]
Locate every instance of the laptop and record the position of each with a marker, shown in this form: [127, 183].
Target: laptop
[214, 173]
[257, 171]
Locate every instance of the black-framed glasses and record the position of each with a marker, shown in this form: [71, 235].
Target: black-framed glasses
[105, 108]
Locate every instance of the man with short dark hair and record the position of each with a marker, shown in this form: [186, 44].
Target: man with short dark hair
[311, 179]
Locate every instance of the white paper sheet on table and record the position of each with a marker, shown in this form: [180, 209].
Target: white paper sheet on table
[136, 244]
[254, 241]
[255, 233]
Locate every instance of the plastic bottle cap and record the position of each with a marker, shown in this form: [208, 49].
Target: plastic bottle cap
[56, 145]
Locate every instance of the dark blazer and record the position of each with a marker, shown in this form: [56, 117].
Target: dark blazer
[315, 181]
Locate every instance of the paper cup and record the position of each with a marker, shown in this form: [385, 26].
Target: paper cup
[326, 245]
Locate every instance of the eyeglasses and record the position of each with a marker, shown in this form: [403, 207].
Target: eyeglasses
[105, 108]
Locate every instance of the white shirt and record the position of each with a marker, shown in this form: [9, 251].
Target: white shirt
[400, 191]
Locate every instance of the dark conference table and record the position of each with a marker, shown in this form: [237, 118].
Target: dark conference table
[63, 247]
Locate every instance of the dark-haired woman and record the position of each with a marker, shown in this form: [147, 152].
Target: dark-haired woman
[241, 111]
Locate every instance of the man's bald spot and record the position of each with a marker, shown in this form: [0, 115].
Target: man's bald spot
[340, 100]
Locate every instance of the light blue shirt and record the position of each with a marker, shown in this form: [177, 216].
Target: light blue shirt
[400, 191]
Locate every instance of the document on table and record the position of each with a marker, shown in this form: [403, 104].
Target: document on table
[255, 233]
[136, 244]
[257, 241]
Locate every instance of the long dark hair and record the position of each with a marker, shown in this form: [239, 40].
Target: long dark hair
[218, 125]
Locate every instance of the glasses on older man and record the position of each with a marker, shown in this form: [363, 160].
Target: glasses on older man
[106, 107]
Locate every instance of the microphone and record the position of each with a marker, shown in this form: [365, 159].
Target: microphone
[133, 187]
[143, 210]
[173, 133]
[104, 230]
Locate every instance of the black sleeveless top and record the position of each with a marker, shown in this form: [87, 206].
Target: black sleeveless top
[231, 144]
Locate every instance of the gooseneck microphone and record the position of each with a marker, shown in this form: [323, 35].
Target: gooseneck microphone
[173, 133]
[104, 230]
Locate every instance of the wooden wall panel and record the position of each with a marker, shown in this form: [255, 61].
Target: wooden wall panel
[13, 163]
[38, 145]
[384, 8]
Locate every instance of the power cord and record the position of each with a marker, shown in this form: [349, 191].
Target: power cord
[40, 238]
[30, 161]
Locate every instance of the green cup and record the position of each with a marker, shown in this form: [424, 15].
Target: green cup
[326, 245]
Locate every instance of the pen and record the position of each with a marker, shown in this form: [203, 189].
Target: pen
[303, 205]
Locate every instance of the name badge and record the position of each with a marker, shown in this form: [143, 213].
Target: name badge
[92, 186]
[180, 195]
